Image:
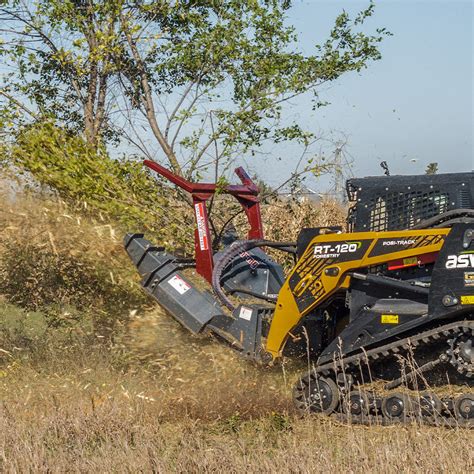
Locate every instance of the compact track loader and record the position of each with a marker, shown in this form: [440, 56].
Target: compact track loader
[380, 309]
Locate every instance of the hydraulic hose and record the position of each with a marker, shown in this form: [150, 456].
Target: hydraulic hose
[446, 218]
[235, 249]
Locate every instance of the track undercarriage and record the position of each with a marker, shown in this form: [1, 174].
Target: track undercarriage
[442, 355]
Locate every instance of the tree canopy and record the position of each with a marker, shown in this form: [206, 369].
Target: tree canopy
[211, 79]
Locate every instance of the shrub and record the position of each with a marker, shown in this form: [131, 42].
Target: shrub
[89, 179]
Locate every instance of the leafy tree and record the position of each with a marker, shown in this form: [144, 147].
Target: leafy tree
[63, 58]
[88, 179]
[228, 70]
[212, 79]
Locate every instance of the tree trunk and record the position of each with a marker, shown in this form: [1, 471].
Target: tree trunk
[147, 103]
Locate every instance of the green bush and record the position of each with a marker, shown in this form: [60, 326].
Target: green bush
[89, 178]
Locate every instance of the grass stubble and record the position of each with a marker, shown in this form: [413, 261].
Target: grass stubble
[133, 392]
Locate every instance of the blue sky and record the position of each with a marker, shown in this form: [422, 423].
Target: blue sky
[415, 105]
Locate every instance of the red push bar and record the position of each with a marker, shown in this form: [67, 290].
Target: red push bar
[247, 195]
[419, 260]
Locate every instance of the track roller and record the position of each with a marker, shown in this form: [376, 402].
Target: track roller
[464, 407]
[358, 403]
[316, 395]
[429, 404]
[397, 406]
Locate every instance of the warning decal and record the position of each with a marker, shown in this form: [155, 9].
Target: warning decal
[468, 299]
[468, 278]
[201, 226]
[179, 284]
[389, 318]
[245, 313]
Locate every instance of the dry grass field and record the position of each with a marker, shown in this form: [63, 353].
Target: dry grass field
[95, 378]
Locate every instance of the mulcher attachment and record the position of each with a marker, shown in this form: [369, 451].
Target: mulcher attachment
[198, 311]
[163, 279]
[249, 273]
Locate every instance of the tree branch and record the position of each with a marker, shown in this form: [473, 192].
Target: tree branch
[147, 102]
[183, 120]
[18, 103]
[47, 40]
[176, 109]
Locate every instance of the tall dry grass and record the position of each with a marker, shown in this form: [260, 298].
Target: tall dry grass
[90, 417]
[146, 396]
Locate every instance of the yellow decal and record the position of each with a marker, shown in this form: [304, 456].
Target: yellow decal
[410, 261]
[467, 299]
[468, 278]
[389, 318]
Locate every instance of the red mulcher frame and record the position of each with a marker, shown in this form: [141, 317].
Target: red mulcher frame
[247, 195]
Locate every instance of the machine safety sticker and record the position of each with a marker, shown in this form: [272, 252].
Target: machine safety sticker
[410, 261]
[201, 226]
[468, 299]
[468, 278]
[245, 313]
[179, 284]
[389, 318]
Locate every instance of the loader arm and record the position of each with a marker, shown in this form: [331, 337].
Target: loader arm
[326, 265]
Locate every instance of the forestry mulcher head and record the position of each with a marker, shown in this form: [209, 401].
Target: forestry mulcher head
[391, 299]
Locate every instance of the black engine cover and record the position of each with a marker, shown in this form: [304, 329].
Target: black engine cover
[253, 271]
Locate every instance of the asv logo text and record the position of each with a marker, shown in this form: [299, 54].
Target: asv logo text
[460, 261]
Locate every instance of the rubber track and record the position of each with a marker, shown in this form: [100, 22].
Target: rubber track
[354, 362]
[380, 420]
[394, 348]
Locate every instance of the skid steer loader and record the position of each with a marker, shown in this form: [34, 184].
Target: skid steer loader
[391, 299]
